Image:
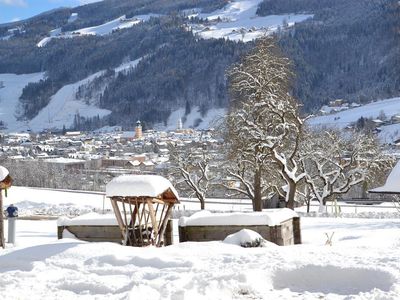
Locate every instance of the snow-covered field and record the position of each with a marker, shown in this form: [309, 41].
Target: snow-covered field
[389, 107]
[363, 261]
[238, 21]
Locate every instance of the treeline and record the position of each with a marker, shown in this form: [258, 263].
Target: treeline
[100, 12]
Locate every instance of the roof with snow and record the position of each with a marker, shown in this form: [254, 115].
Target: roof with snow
[5, 179]
[151, 186]
[3, 173]
[392, 184]
[270, 217]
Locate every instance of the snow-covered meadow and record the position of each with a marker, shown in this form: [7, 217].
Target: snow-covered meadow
[388, 107]
[363, 261]
[238, 21]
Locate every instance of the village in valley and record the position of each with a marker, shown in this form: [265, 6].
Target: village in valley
[207, 149]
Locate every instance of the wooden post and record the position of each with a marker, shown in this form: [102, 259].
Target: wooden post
[164, 225]
[2, 243]
[153, 218]
[297, 230]
[168, 234]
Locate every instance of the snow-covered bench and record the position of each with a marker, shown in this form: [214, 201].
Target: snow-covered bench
[280, 226]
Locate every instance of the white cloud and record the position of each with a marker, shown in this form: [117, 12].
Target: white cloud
[20, 3]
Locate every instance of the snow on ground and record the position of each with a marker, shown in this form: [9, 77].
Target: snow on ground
[193, 120]
[11, 86]
[35, 201]
[362, 263]
[238, 21]
[103, 29]
[390, 107]
[389, 133]
[73, 17]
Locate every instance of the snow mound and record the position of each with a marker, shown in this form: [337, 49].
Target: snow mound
[331, 279]
[246, 238]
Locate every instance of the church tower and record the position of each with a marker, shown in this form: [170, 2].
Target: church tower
[138, 130]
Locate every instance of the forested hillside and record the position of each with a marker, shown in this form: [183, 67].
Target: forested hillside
[349, 50]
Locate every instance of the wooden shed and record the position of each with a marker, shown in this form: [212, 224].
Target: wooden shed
[142, 205]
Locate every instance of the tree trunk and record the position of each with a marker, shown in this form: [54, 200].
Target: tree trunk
[202, 203]
[257, 201]
[290, 194]
[322, 207]
[2, 243]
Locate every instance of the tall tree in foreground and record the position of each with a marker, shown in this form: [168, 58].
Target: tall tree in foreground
[264, 117]
[335, 162]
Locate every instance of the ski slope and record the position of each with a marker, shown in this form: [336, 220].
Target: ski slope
[10, 91]
[64, 105]
[238, 21]
[103, 29]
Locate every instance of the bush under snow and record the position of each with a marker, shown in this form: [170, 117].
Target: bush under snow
[247, 238]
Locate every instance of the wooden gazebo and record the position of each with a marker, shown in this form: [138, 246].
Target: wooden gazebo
[142, 205]
[5, 183]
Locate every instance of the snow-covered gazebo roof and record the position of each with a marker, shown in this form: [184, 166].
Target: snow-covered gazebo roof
[5, 179]
[392, 184]
[3, 173]
[151, 186]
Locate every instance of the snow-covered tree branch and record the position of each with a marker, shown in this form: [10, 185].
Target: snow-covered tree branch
[335, 162]
[193, 167]
[264, 116]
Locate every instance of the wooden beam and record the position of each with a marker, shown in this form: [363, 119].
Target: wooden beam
[153, 217]
[117, 213]
[164, 224]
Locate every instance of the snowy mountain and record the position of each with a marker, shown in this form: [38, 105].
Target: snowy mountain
[61, 68]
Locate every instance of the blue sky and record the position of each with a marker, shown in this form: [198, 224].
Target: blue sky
[12, 10]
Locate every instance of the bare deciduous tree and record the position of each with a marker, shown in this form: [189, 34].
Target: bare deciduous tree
[335, 162]
[193, 166]
[264, 117]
